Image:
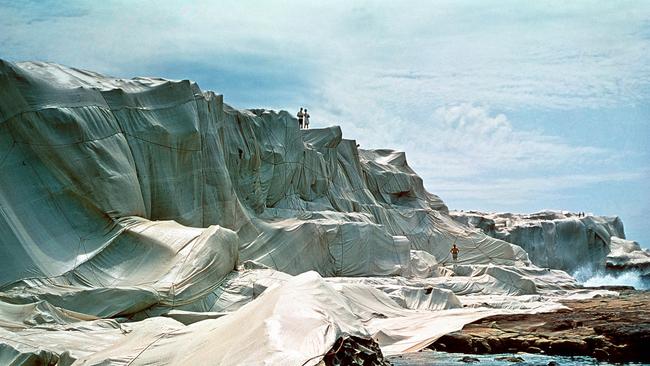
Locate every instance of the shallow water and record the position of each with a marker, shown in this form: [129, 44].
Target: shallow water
[442, 358]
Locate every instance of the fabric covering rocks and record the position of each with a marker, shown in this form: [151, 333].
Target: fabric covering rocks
[144, 221]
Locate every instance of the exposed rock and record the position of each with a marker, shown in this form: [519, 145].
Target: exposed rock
[456, 342]
[355, 351]
[468, 359]
[510, 359]
[612, 329]
[600, 354]
[567, 347]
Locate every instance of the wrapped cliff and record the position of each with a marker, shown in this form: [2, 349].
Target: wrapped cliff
[144, 221]
[573, 242]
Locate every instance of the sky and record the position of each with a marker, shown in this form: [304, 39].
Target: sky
[499, 105]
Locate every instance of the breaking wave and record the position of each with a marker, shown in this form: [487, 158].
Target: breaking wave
[593, 278]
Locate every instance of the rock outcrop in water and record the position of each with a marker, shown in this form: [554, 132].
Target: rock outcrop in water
[142, 217]
[617, 330]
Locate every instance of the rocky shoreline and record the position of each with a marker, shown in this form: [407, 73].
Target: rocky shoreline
[614, 329]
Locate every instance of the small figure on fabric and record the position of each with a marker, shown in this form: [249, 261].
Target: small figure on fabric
[454, 252]
[306, 119]
[301, 117]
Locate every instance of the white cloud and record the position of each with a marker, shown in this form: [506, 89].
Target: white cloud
[507, 56]
[472, 136]
[513, 191]
[468, 153]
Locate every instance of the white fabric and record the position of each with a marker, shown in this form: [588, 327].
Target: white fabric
[561, 239]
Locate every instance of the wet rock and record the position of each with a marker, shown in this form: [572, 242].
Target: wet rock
[626, 333]
[534, 350]
[543, 344]
[355, 351]
[600, 354]
[455, 342]
[481, 345]
[553, 363]
[594, 342]
[510, 359]
[562, 325]
[468, 359]
[568, 347]
[615, 329]
[496, 346]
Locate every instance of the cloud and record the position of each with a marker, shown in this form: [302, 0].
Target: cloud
[511, 192]
[506, 56]
[487, 142]
[471, 154]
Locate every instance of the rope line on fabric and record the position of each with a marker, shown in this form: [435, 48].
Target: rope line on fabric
[6, 157]
[62, 213]
[103, 106]
[149, 345]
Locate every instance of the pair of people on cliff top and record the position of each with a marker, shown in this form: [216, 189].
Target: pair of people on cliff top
[303, 118]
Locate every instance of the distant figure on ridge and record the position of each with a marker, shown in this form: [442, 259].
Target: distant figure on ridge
[306, 119]
[301, 117]
[454, 252]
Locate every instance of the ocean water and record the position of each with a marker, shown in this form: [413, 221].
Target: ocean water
[589, 277]
[427, 357]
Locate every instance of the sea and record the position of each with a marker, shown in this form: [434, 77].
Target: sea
[428, 357]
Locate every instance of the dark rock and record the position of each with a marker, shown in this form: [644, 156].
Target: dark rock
[495, 344]
[440, 347]
[553, 363]
[455, 342]
[543, 344]
[612, 287]
[626, 333]
[510, 359]
[562, 325]
[534, 350]
[568, 347]
[468, 359]
[481, 345]
[594, 342]
[510, 343]
[600, 354]
[355, 351]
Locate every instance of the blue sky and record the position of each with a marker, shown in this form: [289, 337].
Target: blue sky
[500, 106]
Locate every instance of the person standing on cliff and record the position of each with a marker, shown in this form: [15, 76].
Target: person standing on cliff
[306, 119]
[454, 252]
[301, 117]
